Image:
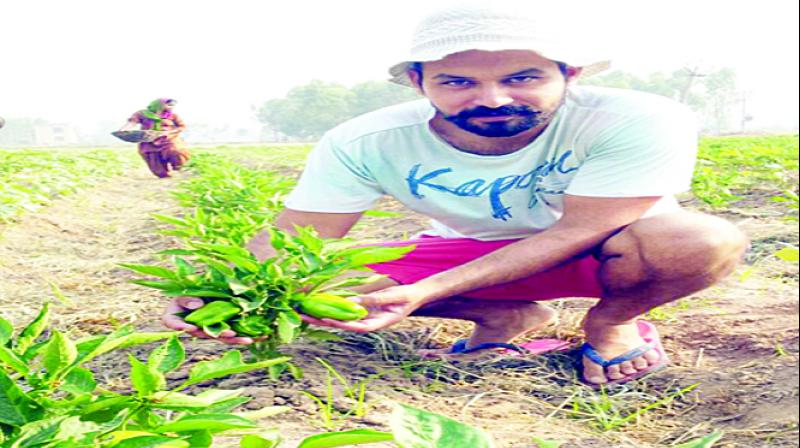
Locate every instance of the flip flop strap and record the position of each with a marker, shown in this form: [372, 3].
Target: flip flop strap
[461, 347]
[590, 352]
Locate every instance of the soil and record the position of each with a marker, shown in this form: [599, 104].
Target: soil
[735, 345]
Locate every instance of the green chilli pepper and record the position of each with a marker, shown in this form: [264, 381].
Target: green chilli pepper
[252, 325]
[213, 313]
[329, 306]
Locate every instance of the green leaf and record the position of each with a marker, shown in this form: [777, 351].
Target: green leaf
[184, 267]
[227, 406]
[162, 285]
[206, 422]
[79, 381]
[201, 439]
[6, 332]
[221, 267]
[260, 441]
[16, 407]
[167, 357]
[376, 254]
[60, 295]
[288, 322]
[237, 287]
[269, 411]
[322, 335]
[246, 264]
[59, 353]
[216, 329]
[33, 330]
[176, 401]
[382, 214]
[348, 438]
[59, 431]
[180, 401]
[214, 396]
[230, 363]
[10, 359]
[542, 443]
[39, 432]
[788, 254]
[307, 237]
[124, 337]
[704, 442]
[145, 379]
[180, 222]
[177, 252]
[199, 293]
[152, 442]
[415, 428]
[106, 403]
[155, 271]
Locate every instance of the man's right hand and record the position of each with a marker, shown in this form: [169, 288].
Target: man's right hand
[175, 322]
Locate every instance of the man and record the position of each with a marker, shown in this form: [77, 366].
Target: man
[538, 189]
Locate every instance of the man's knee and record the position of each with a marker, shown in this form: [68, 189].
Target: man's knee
[681, 244]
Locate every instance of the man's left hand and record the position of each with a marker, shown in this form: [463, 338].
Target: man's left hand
[386, 308]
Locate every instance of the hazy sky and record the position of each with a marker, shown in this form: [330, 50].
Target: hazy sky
[91, 61]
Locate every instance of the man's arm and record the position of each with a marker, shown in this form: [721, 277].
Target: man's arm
[328, 225]
[586, 223]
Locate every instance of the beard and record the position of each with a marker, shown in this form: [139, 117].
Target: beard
[520, 119]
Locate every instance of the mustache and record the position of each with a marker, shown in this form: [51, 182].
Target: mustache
[502, 111]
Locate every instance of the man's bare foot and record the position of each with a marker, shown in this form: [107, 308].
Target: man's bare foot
[500, 326]
[610, 341]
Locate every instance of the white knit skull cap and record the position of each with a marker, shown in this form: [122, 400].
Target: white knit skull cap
[467, 28]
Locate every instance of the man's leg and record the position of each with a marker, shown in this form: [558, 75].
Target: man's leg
[495, 320]
[651, 262]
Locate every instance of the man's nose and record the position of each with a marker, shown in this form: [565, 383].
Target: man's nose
[493, 96]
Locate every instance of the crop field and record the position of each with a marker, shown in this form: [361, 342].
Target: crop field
[92, 247]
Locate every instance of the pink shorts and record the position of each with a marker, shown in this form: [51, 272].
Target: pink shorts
[577, 278]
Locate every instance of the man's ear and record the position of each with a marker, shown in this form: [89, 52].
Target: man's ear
[572, 74]
[416, 80]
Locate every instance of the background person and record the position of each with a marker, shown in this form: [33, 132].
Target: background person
[167, 153]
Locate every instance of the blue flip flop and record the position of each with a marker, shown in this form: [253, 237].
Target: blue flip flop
[649, 333]
[460, 347]
[534, 347]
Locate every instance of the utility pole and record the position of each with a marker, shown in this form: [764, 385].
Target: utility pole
[745, 116]
[691, 74]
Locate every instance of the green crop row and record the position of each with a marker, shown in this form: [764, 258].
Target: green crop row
[30, 179]
[51, 398]
[730, 168]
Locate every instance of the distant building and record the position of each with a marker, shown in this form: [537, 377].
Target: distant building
[54, 134]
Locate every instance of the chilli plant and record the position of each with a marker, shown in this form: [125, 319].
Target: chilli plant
[49, 397]
[264, 299]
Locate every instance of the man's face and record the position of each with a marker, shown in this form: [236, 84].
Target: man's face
[494, 93]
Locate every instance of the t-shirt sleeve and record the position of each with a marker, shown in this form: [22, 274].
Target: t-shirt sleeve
[651, 155]
[334, 181]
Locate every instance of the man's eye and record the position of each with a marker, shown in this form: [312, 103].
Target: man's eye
[521, 79]
[457, 83]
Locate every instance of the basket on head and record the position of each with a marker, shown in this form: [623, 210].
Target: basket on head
[138, 136]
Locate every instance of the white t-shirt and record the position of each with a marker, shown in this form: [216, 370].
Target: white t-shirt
[602, 142]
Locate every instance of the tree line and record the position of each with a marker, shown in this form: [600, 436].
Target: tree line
[308, 111]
